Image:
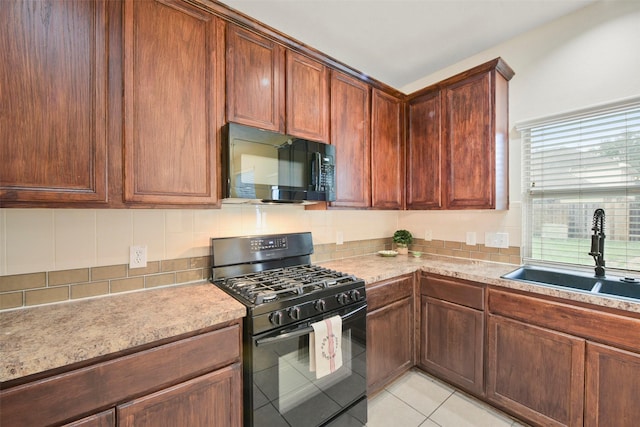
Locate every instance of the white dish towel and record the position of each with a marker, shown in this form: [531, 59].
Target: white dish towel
[325, 346]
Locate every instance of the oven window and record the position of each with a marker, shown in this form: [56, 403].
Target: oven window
[286, 391]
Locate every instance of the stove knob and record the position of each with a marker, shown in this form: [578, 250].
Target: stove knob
[355, 295]
[343, 298]
[294, 313]
[320, 305]
[276, 318]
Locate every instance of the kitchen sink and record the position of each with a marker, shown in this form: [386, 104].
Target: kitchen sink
[577, 280]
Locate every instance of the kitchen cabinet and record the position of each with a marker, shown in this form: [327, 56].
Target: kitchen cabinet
[307, 98]
[191, 379]
[54, 64]
[255, 80]
[387, 151]
[390, 331]
[103, 419]
[452, 331]
[172, 107]
[465, 141]
[350, 134]
[536, 372]
[612, 387]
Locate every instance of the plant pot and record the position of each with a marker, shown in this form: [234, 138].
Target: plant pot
[402, 249]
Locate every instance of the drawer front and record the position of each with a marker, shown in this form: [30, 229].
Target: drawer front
[388, 291]
[83, 391]
[460, 292]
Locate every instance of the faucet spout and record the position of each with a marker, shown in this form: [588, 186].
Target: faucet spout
[597, 241]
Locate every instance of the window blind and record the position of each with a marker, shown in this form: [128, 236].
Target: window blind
[572, 165]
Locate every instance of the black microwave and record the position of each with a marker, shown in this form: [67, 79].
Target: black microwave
[270, 167]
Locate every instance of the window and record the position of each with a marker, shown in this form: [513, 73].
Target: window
[572, 165]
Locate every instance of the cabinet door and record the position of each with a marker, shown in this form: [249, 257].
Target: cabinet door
[172, 105]
[307, 98]
[350, 135]
[214, 399]
[255, 80]
[54, 68]
[387, 151]
[103, 419]
[424, 153]
[536, 373]
[390, 331]
[452, 343]
[469, 155]
[613, 387]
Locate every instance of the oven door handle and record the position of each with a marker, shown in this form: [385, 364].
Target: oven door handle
[304, 331]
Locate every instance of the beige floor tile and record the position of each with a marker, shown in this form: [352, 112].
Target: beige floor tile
[420, 392]
[386, 410]
[461, 411]
[429, 423]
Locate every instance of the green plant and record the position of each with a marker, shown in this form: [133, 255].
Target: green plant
[402, 237]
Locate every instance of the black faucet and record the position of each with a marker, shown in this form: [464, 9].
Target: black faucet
[597, 241]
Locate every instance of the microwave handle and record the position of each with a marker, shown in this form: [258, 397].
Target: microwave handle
[282, 336]
[316, 171]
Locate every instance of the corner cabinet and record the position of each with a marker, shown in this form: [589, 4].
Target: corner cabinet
[172, 107]
[458, 134]
[54, 88]
[350, 134]
[194, 381]
[452, 331]
[390, 331]
[255, 80]
[387, 151]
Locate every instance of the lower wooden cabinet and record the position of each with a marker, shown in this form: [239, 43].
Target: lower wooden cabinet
[390, 331]
[103, 419]
[612, 387]
[535, 372]
[210, 400]
[452, 331]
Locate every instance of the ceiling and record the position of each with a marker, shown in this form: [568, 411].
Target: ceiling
[400, 41]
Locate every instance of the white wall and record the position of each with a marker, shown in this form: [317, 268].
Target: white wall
[587, 58]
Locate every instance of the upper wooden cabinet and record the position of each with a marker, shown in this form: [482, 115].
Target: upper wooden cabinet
[255, 80]
[350, 113]
[173, 102]
[387, 151]
[466, 140]
[54, 67]
[307, 98]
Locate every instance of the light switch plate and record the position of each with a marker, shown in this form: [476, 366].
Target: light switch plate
[428, 235]
[471, 238]
[339, 238]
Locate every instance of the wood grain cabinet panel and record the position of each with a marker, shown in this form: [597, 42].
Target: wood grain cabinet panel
[255, 80]
[390, 331]
[307, 98]
[214, 399]
[350, 115]
[173, 74]
[387, 151]
[54, 62]
[536, 373]
[613, 387]
[103, 419]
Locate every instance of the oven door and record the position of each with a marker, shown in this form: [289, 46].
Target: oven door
[285, 392]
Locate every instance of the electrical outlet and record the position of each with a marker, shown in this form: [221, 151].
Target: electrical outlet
[137, 257]
[502, 240]
[339, 238]
[471, 238]
[428, 235]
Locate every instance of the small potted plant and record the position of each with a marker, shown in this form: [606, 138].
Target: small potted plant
[402, 239]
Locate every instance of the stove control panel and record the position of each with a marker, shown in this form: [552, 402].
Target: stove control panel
[268, 243]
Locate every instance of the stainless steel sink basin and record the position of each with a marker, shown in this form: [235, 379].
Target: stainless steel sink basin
[577, 280]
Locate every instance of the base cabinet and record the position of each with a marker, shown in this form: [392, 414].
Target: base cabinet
[612, 387]
[103, 419]
[536, 373]
[452, 331]
[390, 331]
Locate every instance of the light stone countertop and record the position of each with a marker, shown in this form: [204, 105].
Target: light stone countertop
[374, 268]
[37, 339]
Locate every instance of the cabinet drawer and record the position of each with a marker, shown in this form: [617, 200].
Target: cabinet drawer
[74, 394]
[456, 291]
[389, 291]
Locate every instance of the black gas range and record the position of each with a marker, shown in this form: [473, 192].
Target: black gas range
[285, 296]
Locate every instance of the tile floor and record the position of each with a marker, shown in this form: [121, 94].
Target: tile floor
[418, 400]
